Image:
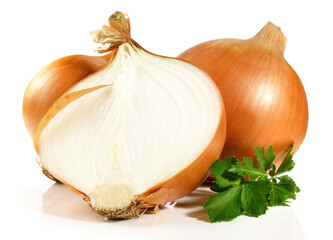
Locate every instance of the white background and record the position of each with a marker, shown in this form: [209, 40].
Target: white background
[34, 33]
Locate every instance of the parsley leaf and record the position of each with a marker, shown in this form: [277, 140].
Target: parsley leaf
[247, 167]
[243, 188]
[220, 172]
[287, 163]
[253, 200]
[264, 162]
[286, 188]
[260, 155]
[224, 206]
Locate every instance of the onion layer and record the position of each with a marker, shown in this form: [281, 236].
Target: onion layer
[264, 98]
[138, 133]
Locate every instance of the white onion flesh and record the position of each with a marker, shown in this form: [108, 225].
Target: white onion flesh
[153, 119]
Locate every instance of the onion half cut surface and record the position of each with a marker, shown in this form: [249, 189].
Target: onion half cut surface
[139, 133]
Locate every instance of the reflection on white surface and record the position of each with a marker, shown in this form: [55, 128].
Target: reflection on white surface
[61, 202]
[187, 218]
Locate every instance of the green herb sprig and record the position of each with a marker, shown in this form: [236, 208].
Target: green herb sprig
[243, 188]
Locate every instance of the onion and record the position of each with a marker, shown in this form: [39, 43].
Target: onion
[128, 135]
[264, 98]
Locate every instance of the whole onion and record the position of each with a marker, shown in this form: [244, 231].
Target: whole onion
[264, 98]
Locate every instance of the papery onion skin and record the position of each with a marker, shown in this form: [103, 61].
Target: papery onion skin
[53, 81]
[264, 98]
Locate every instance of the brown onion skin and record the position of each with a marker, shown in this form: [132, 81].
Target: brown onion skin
[53, 81]
[264, 98]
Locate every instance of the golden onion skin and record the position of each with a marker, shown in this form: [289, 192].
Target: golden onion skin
[264, 98]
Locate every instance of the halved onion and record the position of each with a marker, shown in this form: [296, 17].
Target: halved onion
[139, 133]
